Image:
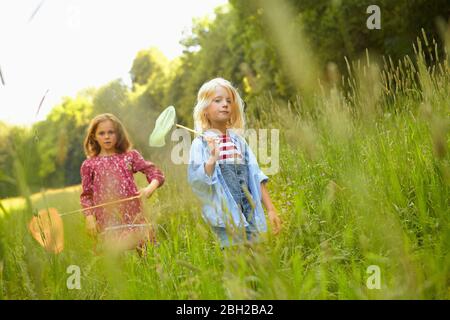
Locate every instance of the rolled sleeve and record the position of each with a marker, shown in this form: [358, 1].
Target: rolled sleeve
[86, 197]
[197, 173]
[262, 178]
[196, 169]
[148, 168]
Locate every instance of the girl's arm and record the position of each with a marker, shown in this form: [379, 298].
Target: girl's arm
[265, 197]
[271, 211]
[214, 156]
[86, 198]
[155, 177]
[147, 191]
[199, 179]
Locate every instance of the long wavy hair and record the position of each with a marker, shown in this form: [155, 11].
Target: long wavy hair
[92, 147]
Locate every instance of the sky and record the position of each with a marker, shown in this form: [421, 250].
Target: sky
[55, 48]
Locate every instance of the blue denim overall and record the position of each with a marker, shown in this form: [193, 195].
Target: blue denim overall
[236, 176]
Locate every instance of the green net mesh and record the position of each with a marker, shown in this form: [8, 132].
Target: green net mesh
[163, 125]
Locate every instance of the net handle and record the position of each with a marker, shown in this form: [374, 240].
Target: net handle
[100, 205]
[189, 129]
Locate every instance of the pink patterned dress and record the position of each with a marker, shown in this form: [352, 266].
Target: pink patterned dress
[110, 178]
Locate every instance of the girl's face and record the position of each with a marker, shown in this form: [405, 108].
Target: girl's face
[106, 136]
[219, 111]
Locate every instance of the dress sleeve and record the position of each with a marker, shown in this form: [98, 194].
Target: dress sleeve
[86, 197]
[146, 167]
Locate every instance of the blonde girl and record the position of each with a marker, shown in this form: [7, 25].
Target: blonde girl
[223, 171]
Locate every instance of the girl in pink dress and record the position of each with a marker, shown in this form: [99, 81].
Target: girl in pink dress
[107, 176]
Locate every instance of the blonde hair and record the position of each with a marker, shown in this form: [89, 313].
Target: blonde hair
[205, 97]
[91, 146]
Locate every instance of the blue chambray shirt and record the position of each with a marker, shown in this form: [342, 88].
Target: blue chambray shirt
[219, 207]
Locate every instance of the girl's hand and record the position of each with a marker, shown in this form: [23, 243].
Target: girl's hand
[146, 192]
[214, 151]
[91, 225]
[213, 148]
[275, 221]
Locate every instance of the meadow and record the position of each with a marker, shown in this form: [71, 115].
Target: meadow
[364, 181]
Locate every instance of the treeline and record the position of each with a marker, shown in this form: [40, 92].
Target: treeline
[262, 51]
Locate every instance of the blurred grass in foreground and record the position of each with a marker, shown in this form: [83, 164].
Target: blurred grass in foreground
[364, 180]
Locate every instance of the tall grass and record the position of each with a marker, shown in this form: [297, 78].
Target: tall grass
[364, 180]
